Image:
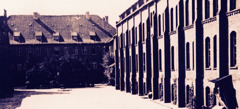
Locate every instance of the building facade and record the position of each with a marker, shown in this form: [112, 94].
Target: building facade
[184, 52]
[88, 37]
[6, 88]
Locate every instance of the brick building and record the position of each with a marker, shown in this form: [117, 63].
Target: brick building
[180, 50]
[41, 36]
[5, 76]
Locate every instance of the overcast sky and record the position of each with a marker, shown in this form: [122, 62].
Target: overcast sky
[111, 8]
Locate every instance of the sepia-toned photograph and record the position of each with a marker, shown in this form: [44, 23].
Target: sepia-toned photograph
[119, 54]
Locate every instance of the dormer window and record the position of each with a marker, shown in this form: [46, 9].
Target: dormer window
[74, 36]
[56, 36]
[93, 36]
[17, 36]
[38, 36]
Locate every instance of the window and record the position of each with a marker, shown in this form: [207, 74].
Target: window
[215, 7]
[207, 9]
[140, 31]
[136, 63]
[193, 54]
[144, 62]
[186, 10]
[159, 25]
[215, 52]
[188, 56]
[84, 50]
[160, 60]
[233, 49]
[193, 11]
[232, 4]
[129, 38]
[163, 21]
[171, 19]
[76, 50]
[133, 36]
[93, 51]
[136, 36]
[56, 50]
[143, 35]
[172, 57]
[130, 64]
[94, 64]
[66, 50]
[19, 52]
[207, 52]
[176, 16]
[38, 51]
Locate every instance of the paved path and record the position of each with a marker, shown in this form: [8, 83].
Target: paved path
[100, 97]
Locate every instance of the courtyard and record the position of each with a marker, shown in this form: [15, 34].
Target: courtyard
[99, 97]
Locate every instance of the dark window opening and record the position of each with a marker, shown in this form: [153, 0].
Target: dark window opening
[159, 25]
[186, 10]
[215, 7]
[172, 57]
[93, 50]
[233, 49]
[176, 16]
[232, 5]
[207, 52]
[144, 62]
[207, 9]
[143, 35]
[215, 51]
[160, 60]
[193, 54]
[130, 64]
[136, 63]
[193, 11]
[187, 56]
[136, 41]
[171, 19]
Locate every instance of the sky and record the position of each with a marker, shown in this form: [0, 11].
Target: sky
[111, 8]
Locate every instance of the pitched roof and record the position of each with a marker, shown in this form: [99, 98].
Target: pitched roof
[64, 25]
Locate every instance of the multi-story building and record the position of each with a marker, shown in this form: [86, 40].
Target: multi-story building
[184, 52]
[40, 36]
[6, 88]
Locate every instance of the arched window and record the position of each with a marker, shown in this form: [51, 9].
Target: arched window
[193, 10]
[187, 56]
[172, 57]
[232, 4]
[215, 7]
[207, 9]
[160, 60]
[207, 52]
[171, 19]
[186, 10]
[233, 49]
[215, 51]
[159, 24]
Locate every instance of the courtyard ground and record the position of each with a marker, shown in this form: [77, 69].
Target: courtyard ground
[98, 97]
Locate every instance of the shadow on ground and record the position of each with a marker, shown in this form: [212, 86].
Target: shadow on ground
[16, 100]
[21, 93]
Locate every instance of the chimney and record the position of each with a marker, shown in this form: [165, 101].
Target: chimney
[87, 15]
[36, 15]
[106, 19]
[5, 13]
